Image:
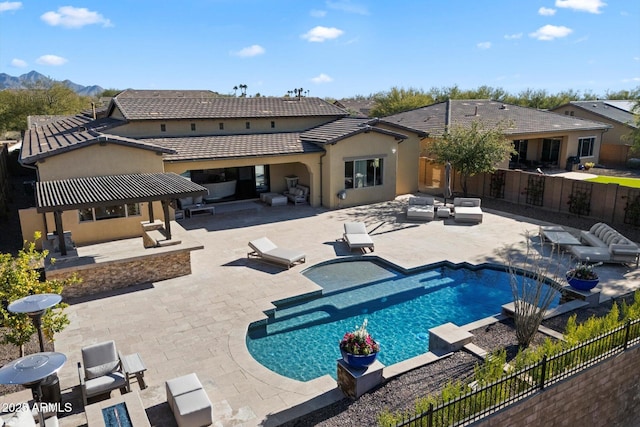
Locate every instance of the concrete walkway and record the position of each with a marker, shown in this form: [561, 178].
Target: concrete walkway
[197, 323]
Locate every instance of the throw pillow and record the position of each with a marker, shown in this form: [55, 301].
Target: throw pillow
[468, 204]
[101, 370]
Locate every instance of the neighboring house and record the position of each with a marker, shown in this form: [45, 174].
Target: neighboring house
[615, 149]
[236, 148]
[541, 138]
[356, 107]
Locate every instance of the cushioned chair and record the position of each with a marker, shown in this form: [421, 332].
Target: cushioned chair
[102, 371]
[356, 236]
[266, 250]
[467, 209]
[421, 208]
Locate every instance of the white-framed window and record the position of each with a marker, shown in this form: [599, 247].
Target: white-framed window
[109, 212]
[585, 146]
[363, 173]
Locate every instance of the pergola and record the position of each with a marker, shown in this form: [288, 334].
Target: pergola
[97, 191]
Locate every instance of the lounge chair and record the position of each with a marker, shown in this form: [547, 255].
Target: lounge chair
[102, 371]
[421, 208]
[266, 250]
[467, 209]
[356, 236]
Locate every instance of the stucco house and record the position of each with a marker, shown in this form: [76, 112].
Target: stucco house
[615, 148]
[541, 138]
[220, 148]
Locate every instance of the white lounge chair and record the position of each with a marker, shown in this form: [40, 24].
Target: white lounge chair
[356, 236]
[421, 208]
[266, 250]
[467, 209]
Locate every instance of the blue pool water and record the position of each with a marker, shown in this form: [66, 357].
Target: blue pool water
[300, 339]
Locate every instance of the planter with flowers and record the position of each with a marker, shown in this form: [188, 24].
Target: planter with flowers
[583, 276]
[359, 350]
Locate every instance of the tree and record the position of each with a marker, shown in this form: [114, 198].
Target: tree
[398, 100]
[471, 150]
[18, 279]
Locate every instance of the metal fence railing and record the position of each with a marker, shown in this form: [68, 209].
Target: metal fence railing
[515, 386]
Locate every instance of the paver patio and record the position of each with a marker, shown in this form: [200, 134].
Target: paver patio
[197, 323]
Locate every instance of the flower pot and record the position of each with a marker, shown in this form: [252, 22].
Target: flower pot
[582, 284]
[358, 361]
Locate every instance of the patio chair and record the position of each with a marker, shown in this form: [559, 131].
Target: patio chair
[356, 236]
[102, 371]
[264, 249]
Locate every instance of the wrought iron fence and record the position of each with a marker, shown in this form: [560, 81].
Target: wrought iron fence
[489, 398]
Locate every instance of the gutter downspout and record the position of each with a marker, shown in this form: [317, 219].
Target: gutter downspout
[321, 167]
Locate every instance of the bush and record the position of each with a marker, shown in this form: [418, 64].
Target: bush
[633, 163]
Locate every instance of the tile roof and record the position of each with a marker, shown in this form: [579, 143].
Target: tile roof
[617, 111]
[234, 146]
[54, 135]
[520, 120]
[78, 193]
[164, 105]
[337, 130]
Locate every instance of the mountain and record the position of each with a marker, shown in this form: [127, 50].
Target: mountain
[32, 77]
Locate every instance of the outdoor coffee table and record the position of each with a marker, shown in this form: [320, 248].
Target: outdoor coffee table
[558, 236]
[134, 366]
[200, 208]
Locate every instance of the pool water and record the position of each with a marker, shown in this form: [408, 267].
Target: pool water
[300, 339]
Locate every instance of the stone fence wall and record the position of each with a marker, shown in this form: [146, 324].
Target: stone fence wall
[607, 394]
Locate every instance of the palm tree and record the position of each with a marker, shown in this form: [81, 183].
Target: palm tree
[235, 90]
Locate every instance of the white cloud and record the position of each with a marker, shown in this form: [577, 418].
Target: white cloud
[320, 34]
[513, 36]
[347, 6]
[10, 5]
[546, 11]
[484, 45]
[18, 63]
[550, 32]
[51, 60]
[74, 17]
[250, 51]
[321, 78]
[318, 13]
[591, 6]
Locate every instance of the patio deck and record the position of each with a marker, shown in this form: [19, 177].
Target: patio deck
[197, 323]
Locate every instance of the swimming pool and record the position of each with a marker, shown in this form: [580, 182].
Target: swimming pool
[300, 338]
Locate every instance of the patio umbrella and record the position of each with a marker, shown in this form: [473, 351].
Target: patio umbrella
[447, 182]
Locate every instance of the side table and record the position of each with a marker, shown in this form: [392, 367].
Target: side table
[134, 366]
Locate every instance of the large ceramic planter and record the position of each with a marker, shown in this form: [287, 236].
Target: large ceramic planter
[358, 361]
[582, 284]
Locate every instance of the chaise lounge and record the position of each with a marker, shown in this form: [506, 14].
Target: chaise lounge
[421, 208]
[467, 209]
[264, 249]
[356, 236]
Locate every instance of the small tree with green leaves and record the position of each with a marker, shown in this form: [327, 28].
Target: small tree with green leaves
[19, 277]
[471, 150]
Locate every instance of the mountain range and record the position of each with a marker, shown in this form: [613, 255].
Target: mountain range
[23, 81]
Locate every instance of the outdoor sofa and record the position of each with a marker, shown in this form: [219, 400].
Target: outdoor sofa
[421, 208]
[264, 249]
[298, 195]
[467, 209]
[604, 244]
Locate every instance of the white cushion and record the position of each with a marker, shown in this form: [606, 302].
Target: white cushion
[101, 370]
[22, 418]
[467, 204]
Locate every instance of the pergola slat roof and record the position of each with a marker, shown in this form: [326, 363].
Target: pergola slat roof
[79, 193]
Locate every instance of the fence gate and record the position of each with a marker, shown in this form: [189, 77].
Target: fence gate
[632, 209]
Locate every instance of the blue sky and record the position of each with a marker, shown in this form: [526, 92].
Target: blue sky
[334, 48]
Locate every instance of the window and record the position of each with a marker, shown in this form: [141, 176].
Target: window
[585, 146]
[520, 145]
[133, 209]
[193, 127]
[221, 126]
[85, 215]
[363, 173]
[550, 151]
[273, 125]
[163, 127]
[247, 125]
[108, 212]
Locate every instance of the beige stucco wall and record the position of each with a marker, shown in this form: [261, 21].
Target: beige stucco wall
[99, 160]
[151, 128]
[361, 146]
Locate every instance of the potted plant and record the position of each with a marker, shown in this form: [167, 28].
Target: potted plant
[583, 276]
[359, 350]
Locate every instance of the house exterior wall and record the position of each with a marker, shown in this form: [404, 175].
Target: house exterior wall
[359, 147]
[615, 146]
[211, 127]
[99, 160]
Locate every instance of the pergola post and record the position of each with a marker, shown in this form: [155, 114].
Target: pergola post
[167, 220]
[151, 211]
[57, 217]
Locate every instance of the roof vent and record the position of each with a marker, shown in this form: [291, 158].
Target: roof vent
[503, 107]
[82, 129]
